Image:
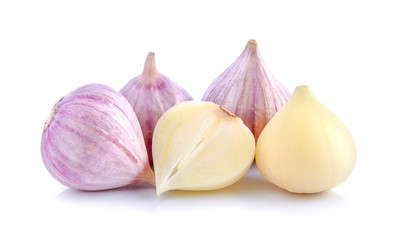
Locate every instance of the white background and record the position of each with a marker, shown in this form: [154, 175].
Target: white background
[345, 51]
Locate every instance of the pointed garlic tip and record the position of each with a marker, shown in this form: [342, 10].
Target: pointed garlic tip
[160, 191]
[150, 62]
[252, 43]
[303, 93]
[305, 148]
[150, 73]
[302, 89]
[251, 47]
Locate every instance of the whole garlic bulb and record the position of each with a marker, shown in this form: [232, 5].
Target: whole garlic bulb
[150, 95]
[305, 148]
[93, 141]
[248, 89]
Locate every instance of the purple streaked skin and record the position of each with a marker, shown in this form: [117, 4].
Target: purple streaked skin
[150, 95]
[249, 90]
[93, 141]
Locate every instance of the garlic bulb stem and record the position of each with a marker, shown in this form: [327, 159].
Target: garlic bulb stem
[150, 75]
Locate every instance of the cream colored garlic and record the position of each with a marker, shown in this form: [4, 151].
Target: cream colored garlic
[200, 146]
[305, 148]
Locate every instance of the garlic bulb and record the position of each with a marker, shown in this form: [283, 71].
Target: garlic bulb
[305, 148]
[150, 95]
[249, 90]
[200, 146]
[93, 141]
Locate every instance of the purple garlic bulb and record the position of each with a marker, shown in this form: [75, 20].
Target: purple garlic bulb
[150, 95]
[93, 141]
[249, 90]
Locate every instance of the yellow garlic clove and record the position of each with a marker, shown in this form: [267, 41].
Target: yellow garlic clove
[305, 148]
[200, 146]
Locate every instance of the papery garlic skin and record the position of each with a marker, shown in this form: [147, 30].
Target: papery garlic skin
[248, 89]
[93, 141]
[200, 146]
[150, 95]
[305, 148]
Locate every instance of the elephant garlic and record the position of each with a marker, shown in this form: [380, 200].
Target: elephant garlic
[248, 89]
[200, 146]
[305, 148]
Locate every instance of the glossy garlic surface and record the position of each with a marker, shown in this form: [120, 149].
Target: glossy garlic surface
[305, 148]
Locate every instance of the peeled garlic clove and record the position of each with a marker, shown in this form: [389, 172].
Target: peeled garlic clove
[150, 95]
[249, 90]
[200, 146]
[93, 141]
[305, 148]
